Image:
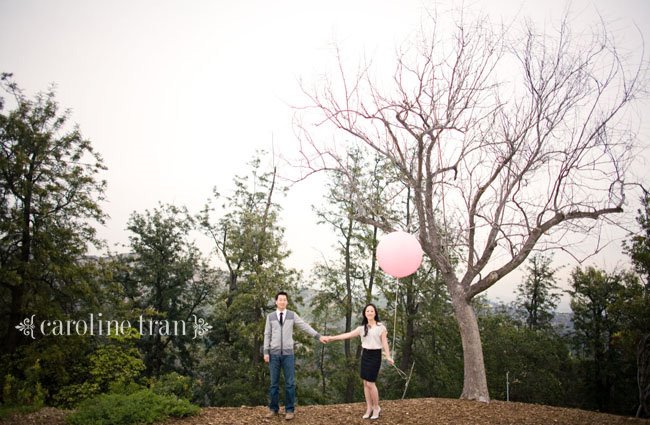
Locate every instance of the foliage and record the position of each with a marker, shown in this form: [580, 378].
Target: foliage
[27, 392]
[49, 200]
[116, 362]
[173, 383]
[50, 194]
[601, 305]
[437, 351]
[535, 296]
[536, 362]
[350, 280]
[637, 331]
[141, 407]
[166, 280]
[7, 411]
[73, 394]
[638, 247]
[249, 239]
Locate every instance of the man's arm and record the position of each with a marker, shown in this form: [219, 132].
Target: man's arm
[304, 326]
[267, 339]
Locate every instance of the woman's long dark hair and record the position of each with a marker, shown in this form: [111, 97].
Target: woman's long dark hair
[364, 321]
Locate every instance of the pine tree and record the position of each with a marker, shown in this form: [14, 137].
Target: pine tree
[535, 294]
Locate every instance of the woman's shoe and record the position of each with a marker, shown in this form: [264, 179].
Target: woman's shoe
[368, 414]
[375, 415]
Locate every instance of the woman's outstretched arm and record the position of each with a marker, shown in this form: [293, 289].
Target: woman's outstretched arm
[346, 335]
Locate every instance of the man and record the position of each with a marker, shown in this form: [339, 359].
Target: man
[278, 353]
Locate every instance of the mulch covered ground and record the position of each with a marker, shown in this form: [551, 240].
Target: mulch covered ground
[416, 411]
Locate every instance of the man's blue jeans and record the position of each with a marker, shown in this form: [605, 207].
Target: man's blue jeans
[286, 363]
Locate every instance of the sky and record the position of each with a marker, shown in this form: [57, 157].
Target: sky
[178, 95]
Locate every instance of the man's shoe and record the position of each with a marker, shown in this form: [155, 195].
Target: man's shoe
[289, 416]
[271, 414]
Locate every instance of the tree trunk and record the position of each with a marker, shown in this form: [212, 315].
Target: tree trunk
[15, 317]
[643, 376]
[349, 359]
[18, 292]
[474, 382]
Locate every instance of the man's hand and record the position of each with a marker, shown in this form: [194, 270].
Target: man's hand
[324, 339]
[266, 358]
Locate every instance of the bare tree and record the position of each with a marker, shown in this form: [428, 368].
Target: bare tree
[507, 141]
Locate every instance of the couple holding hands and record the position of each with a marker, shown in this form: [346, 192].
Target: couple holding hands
[278, 353]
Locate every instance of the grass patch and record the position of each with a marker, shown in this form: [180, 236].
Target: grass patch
[140, 407]
[7, 411]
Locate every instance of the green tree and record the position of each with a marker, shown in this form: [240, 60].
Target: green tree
[169, 282]
[115, 362]
[535, 294]
[349, 279]
[426, 337]
[50, 192]
[638, 248]
[49, 200]
[598, 301]
[536, 362]
[330, 379]
[248, 239]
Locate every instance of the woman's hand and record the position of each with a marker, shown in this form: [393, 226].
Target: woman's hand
[390, 360]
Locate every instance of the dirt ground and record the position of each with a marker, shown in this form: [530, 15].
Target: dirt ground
[416, 411]
[407, 412]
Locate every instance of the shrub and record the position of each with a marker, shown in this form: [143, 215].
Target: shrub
[140, 407]
[117, 362]
[71, 395]
[173, 384]
[27, 392]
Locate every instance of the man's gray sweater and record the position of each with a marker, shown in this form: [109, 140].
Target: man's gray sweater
[278, 339]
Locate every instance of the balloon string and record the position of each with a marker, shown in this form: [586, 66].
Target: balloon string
[395, 317]
[408, 380]
[400, 372]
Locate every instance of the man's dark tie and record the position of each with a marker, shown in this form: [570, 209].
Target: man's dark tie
[281, 318]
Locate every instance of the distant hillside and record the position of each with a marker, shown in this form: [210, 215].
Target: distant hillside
[562, 322]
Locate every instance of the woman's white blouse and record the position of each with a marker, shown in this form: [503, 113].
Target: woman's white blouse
[373, 340]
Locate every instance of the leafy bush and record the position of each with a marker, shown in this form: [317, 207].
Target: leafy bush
[24, 392]
[119, 361]
[114, 364]
[173, 383]
[140, 407]
[71, 395]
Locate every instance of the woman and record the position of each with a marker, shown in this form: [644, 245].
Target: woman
[373, 338]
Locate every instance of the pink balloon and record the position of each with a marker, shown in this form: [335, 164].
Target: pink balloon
[399, 254]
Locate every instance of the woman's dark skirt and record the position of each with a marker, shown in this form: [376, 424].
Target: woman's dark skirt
[370, 363]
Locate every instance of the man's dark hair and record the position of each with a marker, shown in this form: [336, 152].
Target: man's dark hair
[281, 293]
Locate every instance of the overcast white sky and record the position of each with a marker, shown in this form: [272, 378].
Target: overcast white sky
[178, 95]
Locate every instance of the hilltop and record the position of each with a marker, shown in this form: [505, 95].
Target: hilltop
[425, 411]
[414, 412]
